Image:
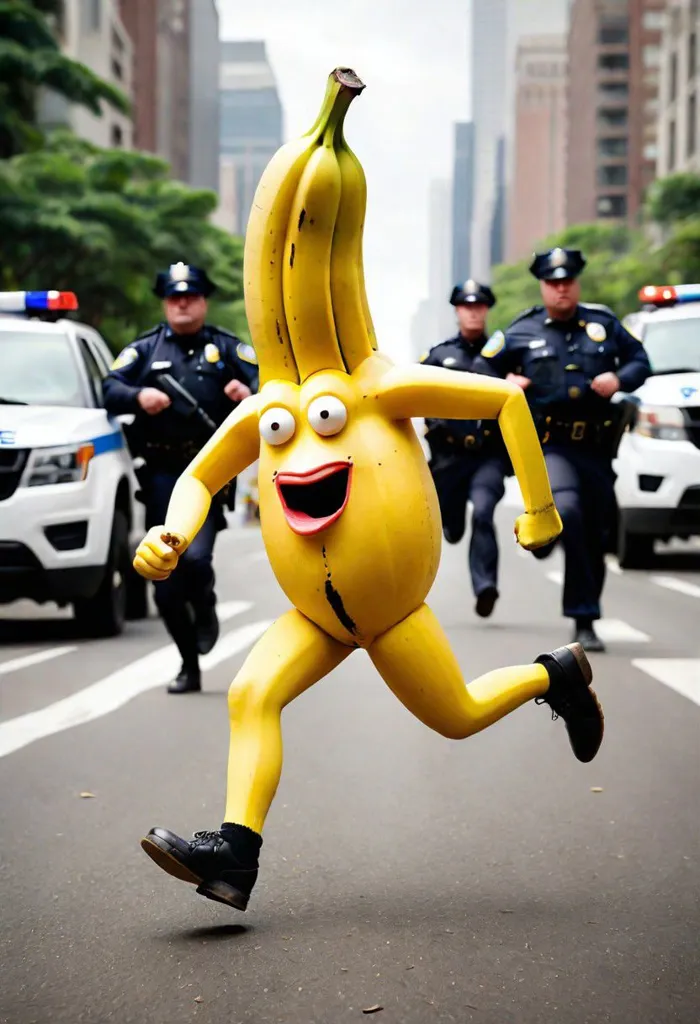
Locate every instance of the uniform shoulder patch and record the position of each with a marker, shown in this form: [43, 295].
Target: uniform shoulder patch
[246, 353]
[125, 358]
[494, 345]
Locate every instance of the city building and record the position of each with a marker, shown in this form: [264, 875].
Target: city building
[434, 318]
[614, 72]
[537, 206]
[251, 128]
[489, 69]
[94, 34]
[462, 201]
[679, 148]
[141, 23]
[203, 171]
[173, 85]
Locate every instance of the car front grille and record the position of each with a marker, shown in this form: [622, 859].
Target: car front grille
[12, 463]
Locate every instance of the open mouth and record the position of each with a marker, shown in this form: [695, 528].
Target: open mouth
[315, 499]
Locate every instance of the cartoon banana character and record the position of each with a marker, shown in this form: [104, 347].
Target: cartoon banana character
[349, 513]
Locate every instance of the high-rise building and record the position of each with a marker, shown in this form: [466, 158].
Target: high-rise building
[489, 65]
[614, 71]
[251, 128]
[679, 141]
[462, 201]
[173, 85]
[94, 34]
[433, 320]
[141, 22]
[203, 171]
[537, 206]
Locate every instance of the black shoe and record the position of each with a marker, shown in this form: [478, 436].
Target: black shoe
[220, 870]
[453, 534]
[544, 552]
[486, 602]
[189, 680]
[586, 635]
[571, 698]
[207, 626]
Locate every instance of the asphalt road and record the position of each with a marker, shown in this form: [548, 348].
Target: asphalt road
[495, 880]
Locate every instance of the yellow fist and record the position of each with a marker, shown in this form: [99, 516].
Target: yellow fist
[157, 554]
[535, 529]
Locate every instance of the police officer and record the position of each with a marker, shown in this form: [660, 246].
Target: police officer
[468, 457]
[218, 371]
[571, 358]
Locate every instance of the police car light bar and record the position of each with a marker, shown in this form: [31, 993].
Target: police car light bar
[25, 302]
[669, 295]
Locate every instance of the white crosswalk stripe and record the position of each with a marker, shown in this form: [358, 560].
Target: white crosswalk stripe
[679, 674]
[17, 664]
[680, 586]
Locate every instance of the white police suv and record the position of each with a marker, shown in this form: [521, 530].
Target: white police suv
[658, 464]
[68, 519]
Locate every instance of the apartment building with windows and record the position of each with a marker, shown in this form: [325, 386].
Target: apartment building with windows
[679, 141]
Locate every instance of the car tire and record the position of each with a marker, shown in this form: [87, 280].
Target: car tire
[634, 550]
[136, 596]
[104, 614]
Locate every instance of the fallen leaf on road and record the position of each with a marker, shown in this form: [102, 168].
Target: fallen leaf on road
[506, 911]
[373, 1009]
[596, 789]
[198, 999]
[87, 796]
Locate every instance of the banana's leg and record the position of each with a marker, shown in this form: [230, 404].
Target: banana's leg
[416, 661]
[289, 658]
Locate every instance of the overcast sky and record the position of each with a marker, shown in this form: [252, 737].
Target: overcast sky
[412, 56]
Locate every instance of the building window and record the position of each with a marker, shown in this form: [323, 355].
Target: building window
[612, 174]
[692, 55]
[613, 32]
[91, 15]
[613, 61]
[651, 56]
[612, 147]
[117, 136]
[692, 130]
[612, 117]
[671, 146]
[653, 21]
[117, 70]
[612, 206]
[611, 91]
[651, 151]
[673, 78]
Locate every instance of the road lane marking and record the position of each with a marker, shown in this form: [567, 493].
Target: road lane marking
[617, 631]
[115, 690]
[229, 609]
[556, 576]
[679, 674]
[613, 565]
[681, 586]
[34, 659]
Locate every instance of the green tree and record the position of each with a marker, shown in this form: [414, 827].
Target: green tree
[101, 223]
[30, 59]
[674, 199]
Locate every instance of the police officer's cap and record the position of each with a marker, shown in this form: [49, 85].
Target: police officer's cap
[471, 293]
[181, 279]
[557, 264]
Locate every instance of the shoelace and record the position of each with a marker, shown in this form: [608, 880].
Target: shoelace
[203, 837]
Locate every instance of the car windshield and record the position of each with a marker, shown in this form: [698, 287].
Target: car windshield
[39, 369]
[673, 345]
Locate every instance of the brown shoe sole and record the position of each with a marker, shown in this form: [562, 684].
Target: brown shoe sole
[587, 673]
[165, 860]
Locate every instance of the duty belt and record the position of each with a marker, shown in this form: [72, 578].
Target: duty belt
[578, 431]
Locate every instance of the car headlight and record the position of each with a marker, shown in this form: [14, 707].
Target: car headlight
[664, 422]
[65, 465]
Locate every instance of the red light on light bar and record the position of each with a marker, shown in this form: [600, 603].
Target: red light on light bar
[62, 300]
[658, 295]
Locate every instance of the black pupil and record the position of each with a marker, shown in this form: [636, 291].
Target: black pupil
[275, 426]
[324, 414]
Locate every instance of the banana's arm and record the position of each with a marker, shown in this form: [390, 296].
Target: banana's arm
[408, 392]
[233, 448]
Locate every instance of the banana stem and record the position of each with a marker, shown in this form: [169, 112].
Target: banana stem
[342, 87]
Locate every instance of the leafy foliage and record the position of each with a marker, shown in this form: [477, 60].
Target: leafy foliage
[674, 199]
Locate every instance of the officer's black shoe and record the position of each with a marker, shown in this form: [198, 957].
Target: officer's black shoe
[223, 867]
[453, 533]
[486, 602]
[207, 627]
[544, 552]
[570, 697]
[586, 635]
[189, 680]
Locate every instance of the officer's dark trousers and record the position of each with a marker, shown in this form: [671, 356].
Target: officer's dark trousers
[191, 587]
[583, 484]
[479, 480]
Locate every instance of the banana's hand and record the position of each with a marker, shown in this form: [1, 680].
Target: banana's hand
[157, 554]
[535, 529]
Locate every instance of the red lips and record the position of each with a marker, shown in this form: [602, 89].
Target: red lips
[313, 500]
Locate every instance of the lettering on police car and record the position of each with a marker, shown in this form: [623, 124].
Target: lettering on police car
[7, 437]
[494, 345]
[211, 353]
[688, 392]
[596, 332]
[125, 358]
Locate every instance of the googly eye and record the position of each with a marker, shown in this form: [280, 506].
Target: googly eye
[327, 415]
[277, 426]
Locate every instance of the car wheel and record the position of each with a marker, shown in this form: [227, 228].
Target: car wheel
[104, 614]
[634, 550]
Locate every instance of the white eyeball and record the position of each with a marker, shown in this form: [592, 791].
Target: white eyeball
[277, 426]
[327, 415]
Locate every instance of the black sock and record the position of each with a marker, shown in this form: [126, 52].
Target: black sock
[246, 842]
[584, 623]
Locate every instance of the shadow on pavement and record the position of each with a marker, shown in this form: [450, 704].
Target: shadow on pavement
[216, 932]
